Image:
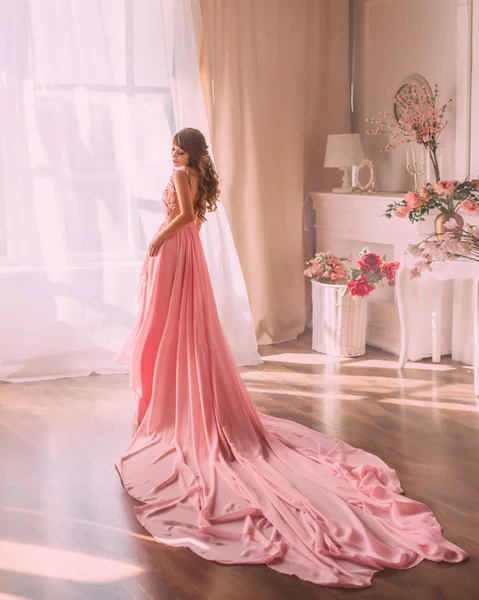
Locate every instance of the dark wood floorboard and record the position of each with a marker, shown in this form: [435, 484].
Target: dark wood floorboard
[67, 530]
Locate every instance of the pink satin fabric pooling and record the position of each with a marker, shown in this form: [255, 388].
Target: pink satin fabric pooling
[236, 486]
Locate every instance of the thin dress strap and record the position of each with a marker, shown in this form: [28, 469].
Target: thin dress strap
[188, 176]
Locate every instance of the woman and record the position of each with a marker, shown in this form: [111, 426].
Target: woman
[212, 473]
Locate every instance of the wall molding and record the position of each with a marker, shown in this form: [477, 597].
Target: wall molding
[464, 59]
[474, 122]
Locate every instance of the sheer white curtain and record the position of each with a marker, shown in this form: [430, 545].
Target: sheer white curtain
[91, 92]
[183, 27]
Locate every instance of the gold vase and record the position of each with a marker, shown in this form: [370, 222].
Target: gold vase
[443, 218]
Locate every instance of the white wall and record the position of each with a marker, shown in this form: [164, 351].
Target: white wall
[474, 159]
[397, 38]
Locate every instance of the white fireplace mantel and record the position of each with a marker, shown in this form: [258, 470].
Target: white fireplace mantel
[360, 217]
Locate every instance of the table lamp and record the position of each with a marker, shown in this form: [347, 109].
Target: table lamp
[344, 151]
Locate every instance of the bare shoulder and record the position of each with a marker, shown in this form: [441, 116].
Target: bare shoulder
[179, 176]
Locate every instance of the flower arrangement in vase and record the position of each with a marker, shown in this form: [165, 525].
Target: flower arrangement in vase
[372, 269]
[447, 196]
[460, 242]
[418, 120]
[339, 295]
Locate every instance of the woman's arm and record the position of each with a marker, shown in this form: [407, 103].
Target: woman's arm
[186, 215]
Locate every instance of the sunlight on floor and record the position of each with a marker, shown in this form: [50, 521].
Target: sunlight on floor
[338, 381]
[63, 564]
[69, 519]
[302, 394]
[392, 364]
[431, 404]
[10, 597]
[333, 384]
[303, 359]
[360, 362]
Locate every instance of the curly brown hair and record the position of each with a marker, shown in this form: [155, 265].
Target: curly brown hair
[193, 142]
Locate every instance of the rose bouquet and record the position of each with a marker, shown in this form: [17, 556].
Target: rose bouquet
[372, 269]
[326, 267]
[447, 196]
[459, 243]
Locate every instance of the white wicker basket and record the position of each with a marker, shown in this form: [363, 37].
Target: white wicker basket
[339, 321]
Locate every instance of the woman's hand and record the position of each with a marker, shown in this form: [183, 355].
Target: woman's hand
[155, 245]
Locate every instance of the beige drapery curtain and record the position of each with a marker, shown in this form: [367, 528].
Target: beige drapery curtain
[275, 75]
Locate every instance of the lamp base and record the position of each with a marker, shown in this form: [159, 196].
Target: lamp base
[347, 187]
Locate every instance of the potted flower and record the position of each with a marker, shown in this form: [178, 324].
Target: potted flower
[340, 299]
[418, 120]
[447, 196]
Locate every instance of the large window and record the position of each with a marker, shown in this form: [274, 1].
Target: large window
[86, 115]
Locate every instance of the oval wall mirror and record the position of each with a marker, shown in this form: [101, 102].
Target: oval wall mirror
[406, 88]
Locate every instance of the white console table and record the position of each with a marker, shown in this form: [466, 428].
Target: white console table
[456, 270]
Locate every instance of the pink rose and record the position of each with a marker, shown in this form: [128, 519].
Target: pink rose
[389, 270]
[425, 193]
[469, 205]
[370, 262]
[446, 186]
[340, 272]
[413, 200]
[360, 287]
[402, 211]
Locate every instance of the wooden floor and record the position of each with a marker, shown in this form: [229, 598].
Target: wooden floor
[67, 529]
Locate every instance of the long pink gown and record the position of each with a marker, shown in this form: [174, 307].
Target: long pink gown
[236, 486]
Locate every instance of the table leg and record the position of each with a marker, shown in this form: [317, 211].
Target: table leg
[458, 318]
[400, 281]
[475, 308]
[437, 322]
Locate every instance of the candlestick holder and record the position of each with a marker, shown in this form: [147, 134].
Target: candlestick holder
[416, 170]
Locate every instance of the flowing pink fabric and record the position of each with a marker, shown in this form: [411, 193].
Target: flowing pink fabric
[236, 486]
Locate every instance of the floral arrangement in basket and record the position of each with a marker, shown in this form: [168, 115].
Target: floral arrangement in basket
[372, 269]
[447, 196]
[459, 243]
[419, 120]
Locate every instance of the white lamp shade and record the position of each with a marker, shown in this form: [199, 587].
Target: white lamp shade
[343, 150]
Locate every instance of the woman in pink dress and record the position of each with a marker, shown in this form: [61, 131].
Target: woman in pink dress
[214, 475]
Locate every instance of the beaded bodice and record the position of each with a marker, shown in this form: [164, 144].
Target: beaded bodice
[170, 198]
